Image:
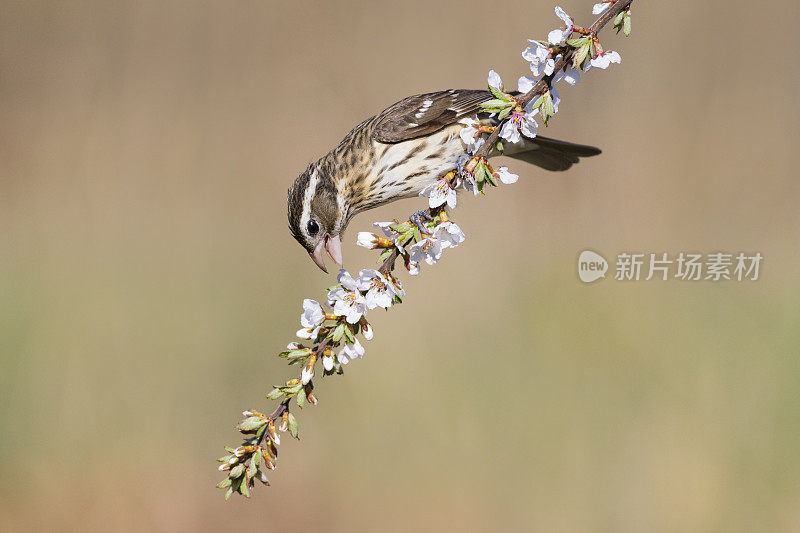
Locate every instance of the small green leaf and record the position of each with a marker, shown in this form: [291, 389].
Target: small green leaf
[626, 25]
[301, 397]
[618, 18]
[504, 113]
[293, 426]
[250, 424]
[577, 43]
[224, 483]
[338, 332]
[236, 471]
[274, 394]
[580, 55]
[348, 335]
[495, 104]
[228, 493]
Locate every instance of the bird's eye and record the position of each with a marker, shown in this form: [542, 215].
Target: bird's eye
[313, 227]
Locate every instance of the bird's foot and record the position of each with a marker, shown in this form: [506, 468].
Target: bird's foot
[418, 218]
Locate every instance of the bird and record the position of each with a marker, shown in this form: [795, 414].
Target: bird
[396, 154]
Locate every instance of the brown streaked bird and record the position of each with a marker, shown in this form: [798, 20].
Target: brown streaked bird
[395, 155]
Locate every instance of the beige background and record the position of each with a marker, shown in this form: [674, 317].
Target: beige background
[147, 277]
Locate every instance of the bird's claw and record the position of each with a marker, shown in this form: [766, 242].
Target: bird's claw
[417, 219]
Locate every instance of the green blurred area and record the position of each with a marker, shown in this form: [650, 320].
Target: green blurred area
[148, 280]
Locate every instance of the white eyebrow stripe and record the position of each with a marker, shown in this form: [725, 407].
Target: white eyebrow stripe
[306, 215]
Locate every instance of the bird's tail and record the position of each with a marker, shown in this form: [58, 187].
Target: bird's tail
[549, 154]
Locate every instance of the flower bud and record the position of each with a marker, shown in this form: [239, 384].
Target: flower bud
[284, 421]
[272, 433]
[269, 462]
[327, 360]
[366, 329]
[312, 398]
[308, 370]
[367, 240]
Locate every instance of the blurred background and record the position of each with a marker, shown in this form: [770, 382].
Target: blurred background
[147, 277]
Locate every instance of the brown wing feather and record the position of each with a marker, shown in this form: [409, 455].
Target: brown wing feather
[424, 114]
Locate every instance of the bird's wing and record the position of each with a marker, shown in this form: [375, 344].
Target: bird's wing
[424, 114]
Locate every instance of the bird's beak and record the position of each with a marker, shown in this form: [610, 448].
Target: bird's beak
[332, 245]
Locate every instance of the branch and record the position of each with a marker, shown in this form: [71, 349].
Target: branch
[422, 238]
[544, 82]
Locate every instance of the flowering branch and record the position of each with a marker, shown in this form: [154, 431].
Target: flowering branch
[610, 11]
[422, 238]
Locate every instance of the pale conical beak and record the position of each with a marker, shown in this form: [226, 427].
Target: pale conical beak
[332, 245]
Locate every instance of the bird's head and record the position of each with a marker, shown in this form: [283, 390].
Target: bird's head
[317, 215]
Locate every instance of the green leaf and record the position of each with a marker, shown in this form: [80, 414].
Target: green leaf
[500, 95]
[618, 18]
[293, 426]
[236, 471]
[251, 423]
[500, 146]
[228, 493]
[580, 55]
[224, 483]
[274, 394]
[577, 43]
[245, 489]
[348, 335]
[338, 332]
[499, 105]
[301, 397]
[626, 25]
[504, 113]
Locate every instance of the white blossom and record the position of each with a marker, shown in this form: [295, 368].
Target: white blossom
[570, 75]
[470, 135]
[308, 333]
[495, 81]
[506, 176]
[540, 58]
[560, 36]
[439, 192]
[602, 7]
[449, 234]
[351, 351]
[313, 315]
[428, 250]
[327, 361]
[523, 122]
[367, 239]
[379, 291]
[347, 299]
[604, 60]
